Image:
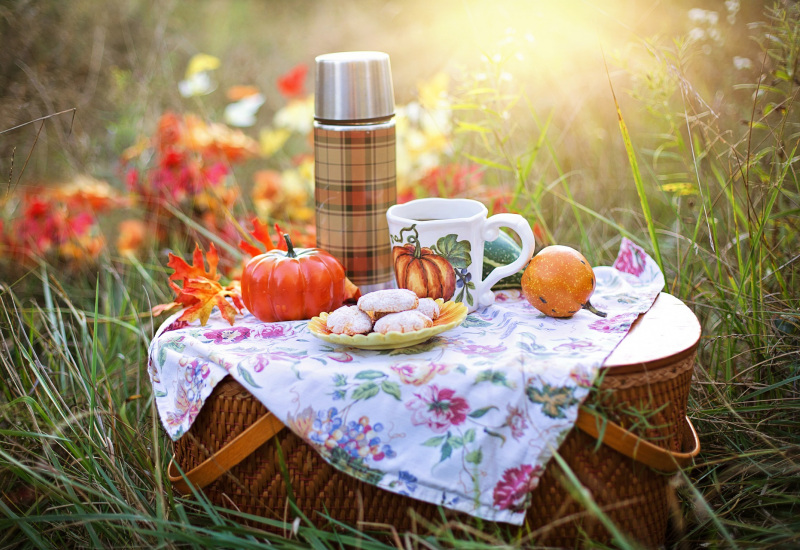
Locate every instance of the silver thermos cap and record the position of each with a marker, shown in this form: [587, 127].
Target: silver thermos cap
[353, 87]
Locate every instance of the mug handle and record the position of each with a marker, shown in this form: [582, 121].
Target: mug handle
[491, 230]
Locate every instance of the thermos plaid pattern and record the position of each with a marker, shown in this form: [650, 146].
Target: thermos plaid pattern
[355, 183]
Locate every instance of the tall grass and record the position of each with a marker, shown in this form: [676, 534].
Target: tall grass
[82, 454]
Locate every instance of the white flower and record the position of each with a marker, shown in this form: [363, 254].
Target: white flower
[697, 15]
[410, 112]
[696, 34]
[197, 84]
[733, 7]
[436, 121]
[242, 113]
[197, 80]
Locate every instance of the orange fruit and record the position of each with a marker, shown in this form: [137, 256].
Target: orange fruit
[559, 282]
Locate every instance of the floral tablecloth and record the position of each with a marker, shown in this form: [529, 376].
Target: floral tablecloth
[466, 420]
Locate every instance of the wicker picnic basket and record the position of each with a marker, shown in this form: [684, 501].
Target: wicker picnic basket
[231, 452]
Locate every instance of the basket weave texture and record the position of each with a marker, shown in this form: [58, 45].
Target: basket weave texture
[633, 495]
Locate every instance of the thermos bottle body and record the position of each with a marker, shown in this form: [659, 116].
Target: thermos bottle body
[355, 172]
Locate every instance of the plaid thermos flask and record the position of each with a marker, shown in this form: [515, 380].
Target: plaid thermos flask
[355, 179]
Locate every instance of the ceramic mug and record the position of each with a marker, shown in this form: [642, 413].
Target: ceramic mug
[437, 248]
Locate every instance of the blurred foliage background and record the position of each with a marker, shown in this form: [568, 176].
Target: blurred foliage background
[112, 72]
[118, 65]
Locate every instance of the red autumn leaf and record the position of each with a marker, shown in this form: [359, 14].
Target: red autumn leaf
[201, 290]
[249, 248]
[261, 233]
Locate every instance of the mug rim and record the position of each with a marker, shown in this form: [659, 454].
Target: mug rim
[482, 211]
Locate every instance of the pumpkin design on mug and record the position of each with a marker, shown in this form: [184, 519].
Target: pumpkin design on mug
[430, 272]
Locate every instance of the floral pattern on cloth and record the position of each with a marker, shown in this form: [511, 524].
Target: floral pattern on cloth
[467, 420]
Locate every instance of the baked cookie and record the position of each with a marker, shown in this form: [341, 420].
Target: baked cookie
[349, 320]
[377, 315]
[403, 321]
[429, 308]
[388, 301]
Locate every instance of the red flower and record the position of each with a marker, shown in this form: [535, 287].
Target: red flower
[292, 84]
[511, 492]
[405, 196]
[132, 179]
[275, 330]
[498, 201]
[516, 421]
[48, 224]
[80, 224]
[631, 259]
[169, 130]
[37, 208]
[451, 180]
[216, 172]
[172, 157]
[228, 335]
[438, 409]
[177, 325]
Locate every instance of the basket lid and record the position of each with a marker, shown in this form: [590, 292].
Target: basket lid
[668, 332]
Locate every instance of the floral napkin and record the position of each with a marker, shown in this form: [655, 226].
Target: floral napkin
[466, 420]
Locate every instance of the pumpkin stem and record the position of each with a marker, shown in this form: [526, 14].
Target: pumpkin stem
[289, 247]
[588, 305]
[417, 248]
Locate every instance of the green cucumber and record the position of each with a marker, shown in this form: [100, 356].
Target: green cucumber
[499, 252]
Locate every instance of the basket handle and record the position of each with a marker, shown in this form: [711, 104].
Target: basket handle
[615, 436]
[231, 454]
[633, 446]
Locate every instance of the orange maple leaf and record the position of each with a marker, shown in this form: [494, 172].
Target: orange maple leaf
[261, 233]
[201, 290]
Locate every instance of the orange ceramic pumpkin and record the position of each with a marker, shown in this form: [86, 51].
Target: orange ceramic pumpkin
[559, 282]
[421, 270]
[294, 284]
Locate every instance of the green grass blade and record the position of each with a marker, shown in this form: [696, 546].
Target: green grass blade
[637, 177]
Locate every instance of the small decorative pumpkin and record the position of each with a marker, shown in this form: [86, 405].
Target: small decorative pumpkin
[559, 282]
[294, 284]
[419, 269]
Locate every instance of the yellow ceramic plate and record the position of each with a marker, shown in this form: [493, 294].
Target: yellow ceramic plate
[451, 314]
